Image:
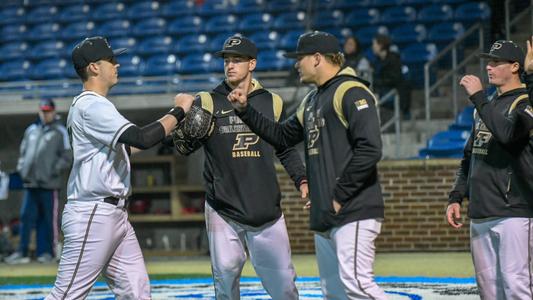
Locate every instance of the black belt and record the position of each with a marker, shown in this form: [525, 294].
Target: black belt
[114, 200]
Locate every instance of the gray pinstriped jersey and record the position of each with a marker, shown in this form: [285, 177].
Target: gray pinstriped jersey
[101, 166]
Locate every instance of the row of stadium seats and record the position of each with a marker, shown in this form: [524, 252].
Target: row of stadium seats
[146, 24]
[441, 33]
[147, 9]
[450, 143]
[196, 62]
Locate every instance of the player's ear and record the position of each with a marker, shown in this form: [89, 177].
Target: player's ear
[253, 63]
[93, 69]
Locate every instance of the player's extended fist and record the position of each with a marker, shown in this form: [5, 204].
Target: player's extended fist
[184, 101]
[528, 62]
[239, 96]
[471, 84]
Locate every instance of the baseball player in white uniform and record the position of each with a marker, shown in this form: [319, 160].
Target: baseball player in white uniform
[98, 238]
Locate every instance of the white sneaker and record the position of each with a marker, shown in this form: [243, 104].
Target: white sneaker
[17, 258]
[45, 258]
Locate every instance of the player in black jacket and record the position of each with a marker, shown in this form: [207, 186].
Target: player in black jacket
[242, 192]
[339, 126]
[491, 176]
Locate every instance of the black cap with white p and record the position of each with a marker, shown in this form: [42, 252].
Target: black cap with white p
[505, 51]
[238, 45]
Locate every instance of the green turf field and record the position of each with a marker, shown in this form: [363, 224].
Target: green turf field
[442, 264]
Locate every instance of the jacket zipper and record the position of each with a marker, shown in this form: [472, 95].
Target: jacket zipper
[508, 191]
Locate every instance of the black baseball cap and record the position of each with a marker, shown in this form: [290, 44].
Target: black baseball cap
[91, 50]
[505, 50]
[238, 45]
[47, 105]
[315, 42]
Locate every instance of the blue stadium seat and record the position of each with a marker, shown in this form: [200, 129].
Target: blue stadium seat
[42, 14]
[12, 14]
[113, 28]
[464, 120]
[46, 49]
[254, 22]
[445, 144]
[108, 11]
[266, 39]
[328, 18]
[149, 27]
[273, 60]
[444, 33]
[284, 5]
[472, 12]
[129, 43]
[74, 13]
[176, 8]
[351, 4]
[449, 2]
[77, 30]
[44, 31]
[213, 7]
[435, 13]
[144, 9]
[197, 84]
[290, 20]
[14, 70]
[216, 65]
[408, 33]
[51, 68]
[216, 43]
[13, 32]
[223, 23]
[13, 50]
[362, 17]
[128, 87]
[288, 40]
[365, 35]
[196, 63]
[182, 25]
[383, 3]
[249, 6]
[161, 65]
[156, 45]
[396, 15]
[192, 43]
[130, 65]
[415, 56]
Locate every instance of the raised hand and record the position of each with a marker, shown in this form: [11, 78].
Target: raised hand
[184, 101]
[471, 84]
[239, 96]
[528, 61]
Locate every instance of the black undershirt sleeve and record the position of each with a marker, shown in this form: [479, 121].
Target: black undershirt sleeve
[145, 137]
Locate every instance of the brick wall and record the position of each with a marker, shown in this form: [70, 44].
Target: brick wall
[415, 194]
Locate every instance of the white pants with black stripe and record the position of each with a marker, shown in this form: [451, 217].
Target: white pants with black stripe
[501, 251]
[345, 257]
[270, 254]
[98, 238]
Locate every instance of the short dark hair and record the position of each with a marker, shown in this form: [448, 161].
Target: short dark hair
[383, 41]
[82, 74]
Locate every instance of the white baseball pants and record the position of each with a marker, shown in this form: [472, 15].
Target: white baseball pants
[98, 238]
[345, 257]
[501, 251]
[270, 254]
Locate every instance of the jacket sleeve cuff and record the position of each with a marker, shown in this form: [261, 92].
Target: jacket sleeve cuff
[478, 99]
[455, 197]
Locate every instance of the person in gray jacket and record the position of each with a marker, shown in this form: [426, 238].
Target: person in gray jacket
[45, 153]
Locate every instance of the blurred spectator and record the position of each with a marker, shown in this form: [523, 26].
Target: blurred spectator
[44, 156]
[388, 74]
[4, 184]
[355, 58]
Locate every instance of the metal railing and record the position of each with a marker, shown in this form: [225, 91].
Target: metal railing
[453, 73]
[509, 23]
[395, 120]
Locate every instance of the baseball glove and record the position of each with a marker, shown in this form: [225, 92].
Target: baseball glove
[192, 132]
